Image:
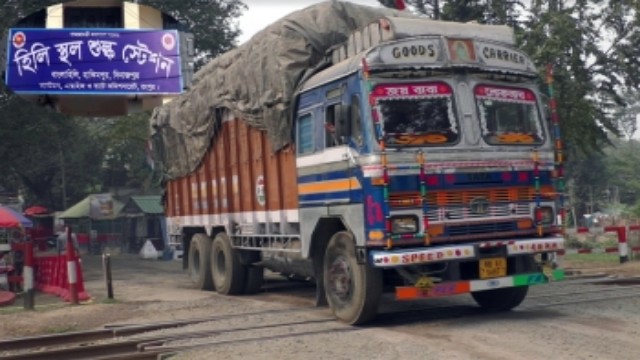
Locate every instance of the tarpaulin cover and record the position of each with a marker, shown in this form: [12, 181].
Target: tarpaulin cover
[256, 82]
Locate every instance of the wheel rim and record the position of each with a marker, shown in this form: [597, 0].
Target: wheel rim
[196, 263]
[340, 279]
[221, 264]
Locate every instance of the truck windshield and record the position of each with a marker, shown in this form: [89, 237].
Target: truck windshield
[508, 116]
[416, 114]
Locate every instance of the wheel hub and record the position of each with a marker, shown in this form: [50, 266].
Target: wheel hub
[221, 264]
[340, 279]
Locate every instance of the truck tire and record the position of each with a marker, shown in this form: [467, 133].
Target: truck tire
[353, 290]
[503, 299]
[226, 268]
[199, 272]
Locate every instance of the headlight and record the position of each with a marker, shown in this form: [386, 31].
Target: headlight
[404, 224]
[546, 215]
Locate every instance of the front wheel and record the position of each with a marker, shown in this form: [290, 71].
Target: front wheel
[353, 290]
[501, 299]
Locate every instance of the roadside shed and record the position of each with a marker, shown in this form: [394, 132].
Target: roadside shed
[143, 220]
[95, 222]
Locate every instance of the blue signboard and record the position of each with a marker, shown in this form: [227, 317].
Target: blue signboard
[93, 61]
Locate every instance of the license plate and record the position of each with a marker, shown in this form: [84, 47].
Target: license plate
[493, 267]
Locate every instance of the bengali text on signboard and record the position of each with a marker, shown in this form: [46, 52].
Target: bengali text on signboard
[90, 61]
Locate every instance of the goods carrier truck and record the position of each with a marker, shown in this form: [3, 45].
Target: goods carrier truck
[417, 159]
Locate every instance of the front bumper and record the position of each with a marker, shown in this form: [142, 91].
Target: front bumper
[468, 286]
[444, 253]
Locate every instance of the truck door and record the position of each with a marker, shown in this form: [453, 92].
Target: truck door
[323, 161]
[337, 176]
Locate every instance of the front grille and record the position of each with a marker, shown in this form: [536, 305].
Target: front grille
[470, 229]
[459, 215]
[457, 205]
[465, 212]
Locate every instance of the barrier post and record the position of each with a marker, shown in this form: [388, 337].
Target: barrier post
[71, 268]
[623, 248]
[27, 273]
[106, 266]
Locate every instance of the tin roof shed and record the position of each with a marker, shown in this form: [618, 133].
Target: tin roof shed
[143, 204]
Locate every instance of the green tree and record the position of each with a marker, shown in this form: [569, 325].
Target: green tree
[52, 157]
[212, 22]
[623, 166]
[125, 163]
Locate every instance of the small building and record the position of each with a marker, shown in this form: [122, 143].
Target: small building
[143, 217]
[96, 223]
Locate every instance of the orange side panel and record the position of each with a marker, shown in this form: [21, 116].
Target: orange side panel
[274, 191]
[202, 190]
[185, 197]
[258, 166]
[214, 184]
[177, 198]
[240, 173]
[234, 165]
[222, 144]
[245, 178]
[205, 181]
[195, 190]
[289, 178]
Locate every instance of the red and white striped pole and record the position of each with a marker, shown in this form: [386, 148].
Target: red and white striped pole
[623, 248]
[27, 273]
[71, 268]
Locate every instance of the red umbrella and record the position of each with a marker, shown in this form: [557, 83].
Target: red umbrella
[36, 210]
[10, 218]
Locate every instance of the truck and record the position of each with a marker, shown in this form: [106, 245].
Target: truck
[419, 159]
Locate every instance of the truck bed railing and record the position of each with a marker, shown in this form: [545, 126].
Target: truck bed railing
[267, 242]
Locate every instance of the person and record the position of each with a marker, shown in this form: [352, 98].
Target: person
[61, 234]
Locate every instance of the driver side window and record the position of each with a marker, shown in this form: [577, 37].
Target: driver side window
[304, 135]
[355, 126]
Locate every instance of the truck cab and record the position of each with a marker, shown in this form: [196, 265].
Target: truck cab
[435, 154]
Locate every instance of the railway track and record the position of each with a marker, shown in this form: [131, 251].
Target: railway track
[163, 339]
[134, 341]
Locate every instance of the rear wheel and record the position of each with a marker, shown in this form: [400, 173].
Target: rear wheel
[199, 264]
[501, 299]
[226, 268]
[353, 290]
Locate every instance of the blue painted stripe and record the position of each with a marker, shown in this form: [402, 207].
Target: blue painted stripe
[333, 175]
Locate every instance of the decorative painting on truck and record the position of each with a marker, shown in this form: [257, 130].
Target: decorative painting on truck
[508, 115]
[420, 114]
